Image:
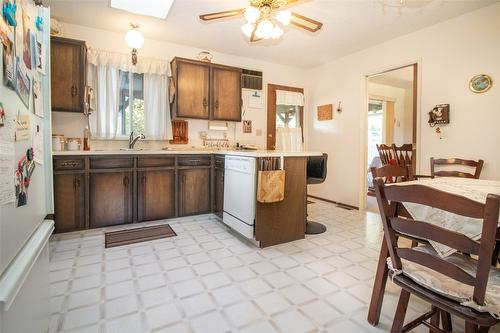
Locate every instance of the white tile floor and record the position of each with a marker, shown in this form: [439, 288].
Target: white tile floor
[209, 280]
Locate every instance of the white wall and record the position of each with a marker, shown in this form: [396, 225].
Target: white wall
[73, 124]
[449, 54]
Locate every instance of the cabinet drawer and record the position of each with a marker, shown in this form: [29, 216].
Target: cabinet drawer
[69, 163]
[157, 161]
[111, 162]
[219, 161]
[194, 161]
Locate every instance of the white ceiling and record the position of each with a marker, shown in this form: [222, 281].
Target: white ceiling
[349, 25]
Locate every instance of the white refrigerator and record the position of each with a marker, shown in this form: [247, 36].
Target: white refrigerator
[25, 125]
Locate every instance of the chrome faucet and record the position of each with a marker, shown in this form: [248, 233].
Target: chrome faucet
[133, 139]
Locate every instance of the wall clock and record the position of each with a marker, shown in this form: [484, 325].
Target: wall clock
[480, 83]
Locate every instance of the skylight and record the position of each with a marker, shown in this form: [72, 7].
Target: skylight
[154, 8]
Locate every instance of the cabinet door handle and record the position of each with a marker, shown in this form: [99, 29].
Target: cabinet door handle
[76, 183]
[70, 164]
[125, 181]
[205, 103]
[194, 162]
[74, 91]
[184, 179]
[217, 104]
[143, 179]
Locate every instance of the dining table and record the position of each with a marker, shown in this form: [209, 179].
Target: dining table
[474, 189]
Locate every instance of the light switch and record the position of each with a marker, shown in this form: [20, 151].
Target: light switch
[258, 132]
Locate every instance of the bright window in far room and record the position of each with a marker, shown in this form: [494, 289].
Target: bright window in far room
[131, 103]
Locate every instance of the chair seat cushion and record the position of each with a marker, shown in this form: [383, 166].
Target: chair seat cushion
[449, 287]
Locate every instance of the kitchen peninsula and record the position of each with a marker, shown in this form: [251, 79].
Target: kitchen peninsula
[105, 188]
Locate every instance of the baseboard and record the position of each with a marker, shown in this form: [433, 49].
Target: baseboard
[333, 202]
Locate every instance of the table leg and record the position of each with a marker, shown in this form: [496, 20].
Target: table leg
[379, 285]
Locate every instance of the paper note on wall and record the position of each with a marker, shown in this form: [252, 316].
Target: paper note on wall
[22, 127]
[37, 144]
[7, 189]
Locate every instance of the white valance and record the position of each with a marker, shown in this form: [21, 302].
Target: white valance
[289, 98]
[123, 62]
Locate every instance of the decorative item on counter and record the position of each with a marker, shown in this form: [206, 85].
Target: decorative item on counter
[216, 143]
[271, 180]
[56, 28]
[9, 12]
[247, 126]
[339, 108]
[180, 132]
[480, 83]
[205, 56]
[25, 168]
[39, 23]
[58, 142]
[440, 114]
[86, 138]
[2, 115]
[325, 112]
[134, 40]
[73, 144]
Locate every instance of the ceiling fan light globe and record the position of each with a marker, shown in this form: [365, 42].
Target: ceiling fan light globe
[265, 29]
[284, 16]
[252, 14]
[134, 39]
[247, 29]
[277, 32]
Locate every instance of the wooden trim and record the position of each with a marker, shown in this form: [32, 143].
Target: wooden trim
[299, 17]
[332, 202]
[220, 15]
[415, 95]
[271, 113]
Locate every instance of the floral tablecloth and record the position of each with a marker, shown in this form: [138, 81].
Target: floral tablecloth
[474, 189]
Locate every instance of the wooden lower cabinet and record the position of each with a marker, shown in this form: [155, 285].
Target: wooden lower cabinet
[155, 195]
[218, 191]
[69, 202]
[110, 198]
[194, 191]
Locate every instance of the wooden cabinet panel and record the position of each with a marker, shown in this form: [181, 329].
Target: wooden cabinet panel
[195, 160]
[110, 198]
[194, 191]
[155, 195]
[226, 92]
[219, 191]
[192, 90]
[69, 202]
[68, 59]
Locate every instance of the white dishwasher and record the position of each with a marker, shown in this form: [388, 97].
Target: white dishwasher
[239, 194]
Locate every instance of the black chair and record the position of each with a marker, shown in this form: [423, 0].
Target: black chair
[316, 174]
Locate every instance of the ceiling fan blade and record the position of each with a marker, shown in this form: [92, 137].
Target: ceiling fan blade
[219, 15]
[305, 22]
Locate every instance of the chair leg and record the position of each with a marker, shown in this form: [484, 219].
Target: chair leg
[434, 319]
[399, 317]
[446, 319]
[470, 327]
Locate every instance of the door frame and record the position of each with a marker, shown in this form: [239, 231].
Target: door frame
[417, 79]
[271, 113]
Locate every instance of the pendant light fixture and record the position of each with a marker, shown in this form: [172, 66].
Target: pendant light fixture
[134, 40]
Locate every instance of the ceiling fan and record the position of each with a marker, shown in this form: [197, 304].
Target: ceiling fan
[264, 18]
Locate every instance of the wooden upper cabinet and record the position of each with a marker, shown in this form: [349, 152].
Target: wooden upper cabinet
[192, 97]
[68, 66]
[206, 91]
[110, 198]
[226, 93]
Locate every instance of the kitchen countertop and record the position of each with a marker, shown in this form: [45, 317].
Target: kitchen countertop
[248, 153]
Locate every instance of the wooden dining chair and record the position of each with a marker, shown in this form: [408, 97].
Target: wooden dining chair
[393, 173]
[386, 154]
[404, 154]
[420, 271]
[478, 165]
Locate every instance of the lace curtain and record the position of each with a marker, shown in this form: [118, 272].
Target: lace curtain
[289, 98]
[103, 75]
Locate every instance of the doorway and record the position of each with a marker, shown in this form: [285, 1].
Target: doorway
[285, 111]
[391, 119]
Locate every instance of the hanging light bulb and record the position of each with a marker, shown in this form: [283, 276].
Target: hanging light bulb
[284, 16]
[134, 40]
[247, 29]
[277, 32]
[252, 14]
[264, 29]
